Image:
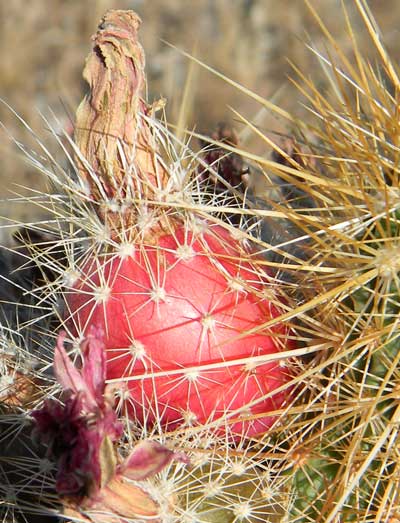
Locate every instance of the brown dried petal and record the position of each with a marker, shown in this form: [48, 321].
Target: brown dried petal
[129, 501]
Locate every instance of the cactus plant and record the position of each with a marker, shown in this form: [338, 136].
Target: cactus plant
[317, 440]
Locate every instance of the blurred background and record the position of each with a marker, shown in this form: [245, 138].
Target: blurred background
[44, 44]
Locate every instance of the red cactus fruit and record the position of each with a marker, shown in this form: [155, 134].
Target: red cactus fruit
[182, 305]
[176, 316]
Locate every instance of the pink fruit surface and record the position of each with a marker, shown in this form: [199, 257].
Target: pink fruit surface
[175, 316]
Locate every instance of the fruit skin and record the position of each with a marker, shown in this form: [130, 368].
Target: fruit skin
[186, 302]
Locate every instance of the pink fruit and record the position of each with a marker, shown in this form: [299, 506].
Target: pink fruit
[175, 316]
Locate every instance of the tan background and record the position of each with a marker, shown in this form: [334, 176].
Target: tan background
[43, 45]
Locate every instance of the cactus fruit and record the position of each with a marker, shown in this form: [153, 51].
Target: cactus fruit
[174, 315]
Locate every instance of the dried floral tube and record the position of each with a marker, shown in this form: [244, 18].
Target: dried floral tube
[117, 155]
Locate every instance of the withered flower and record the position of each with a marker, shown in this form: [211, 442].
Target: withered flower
[80, 432]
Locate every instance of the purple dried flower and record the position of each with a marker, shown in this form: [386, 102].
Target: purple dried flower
[80, 434]
[228, 165]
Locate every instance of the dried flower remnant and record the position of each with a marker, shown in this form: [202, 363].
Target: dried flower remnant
[81, 433]
[111, 131]
[228, 165]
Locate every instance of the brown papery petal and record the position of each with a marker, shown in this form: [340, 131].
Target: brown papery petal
[129, 501]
